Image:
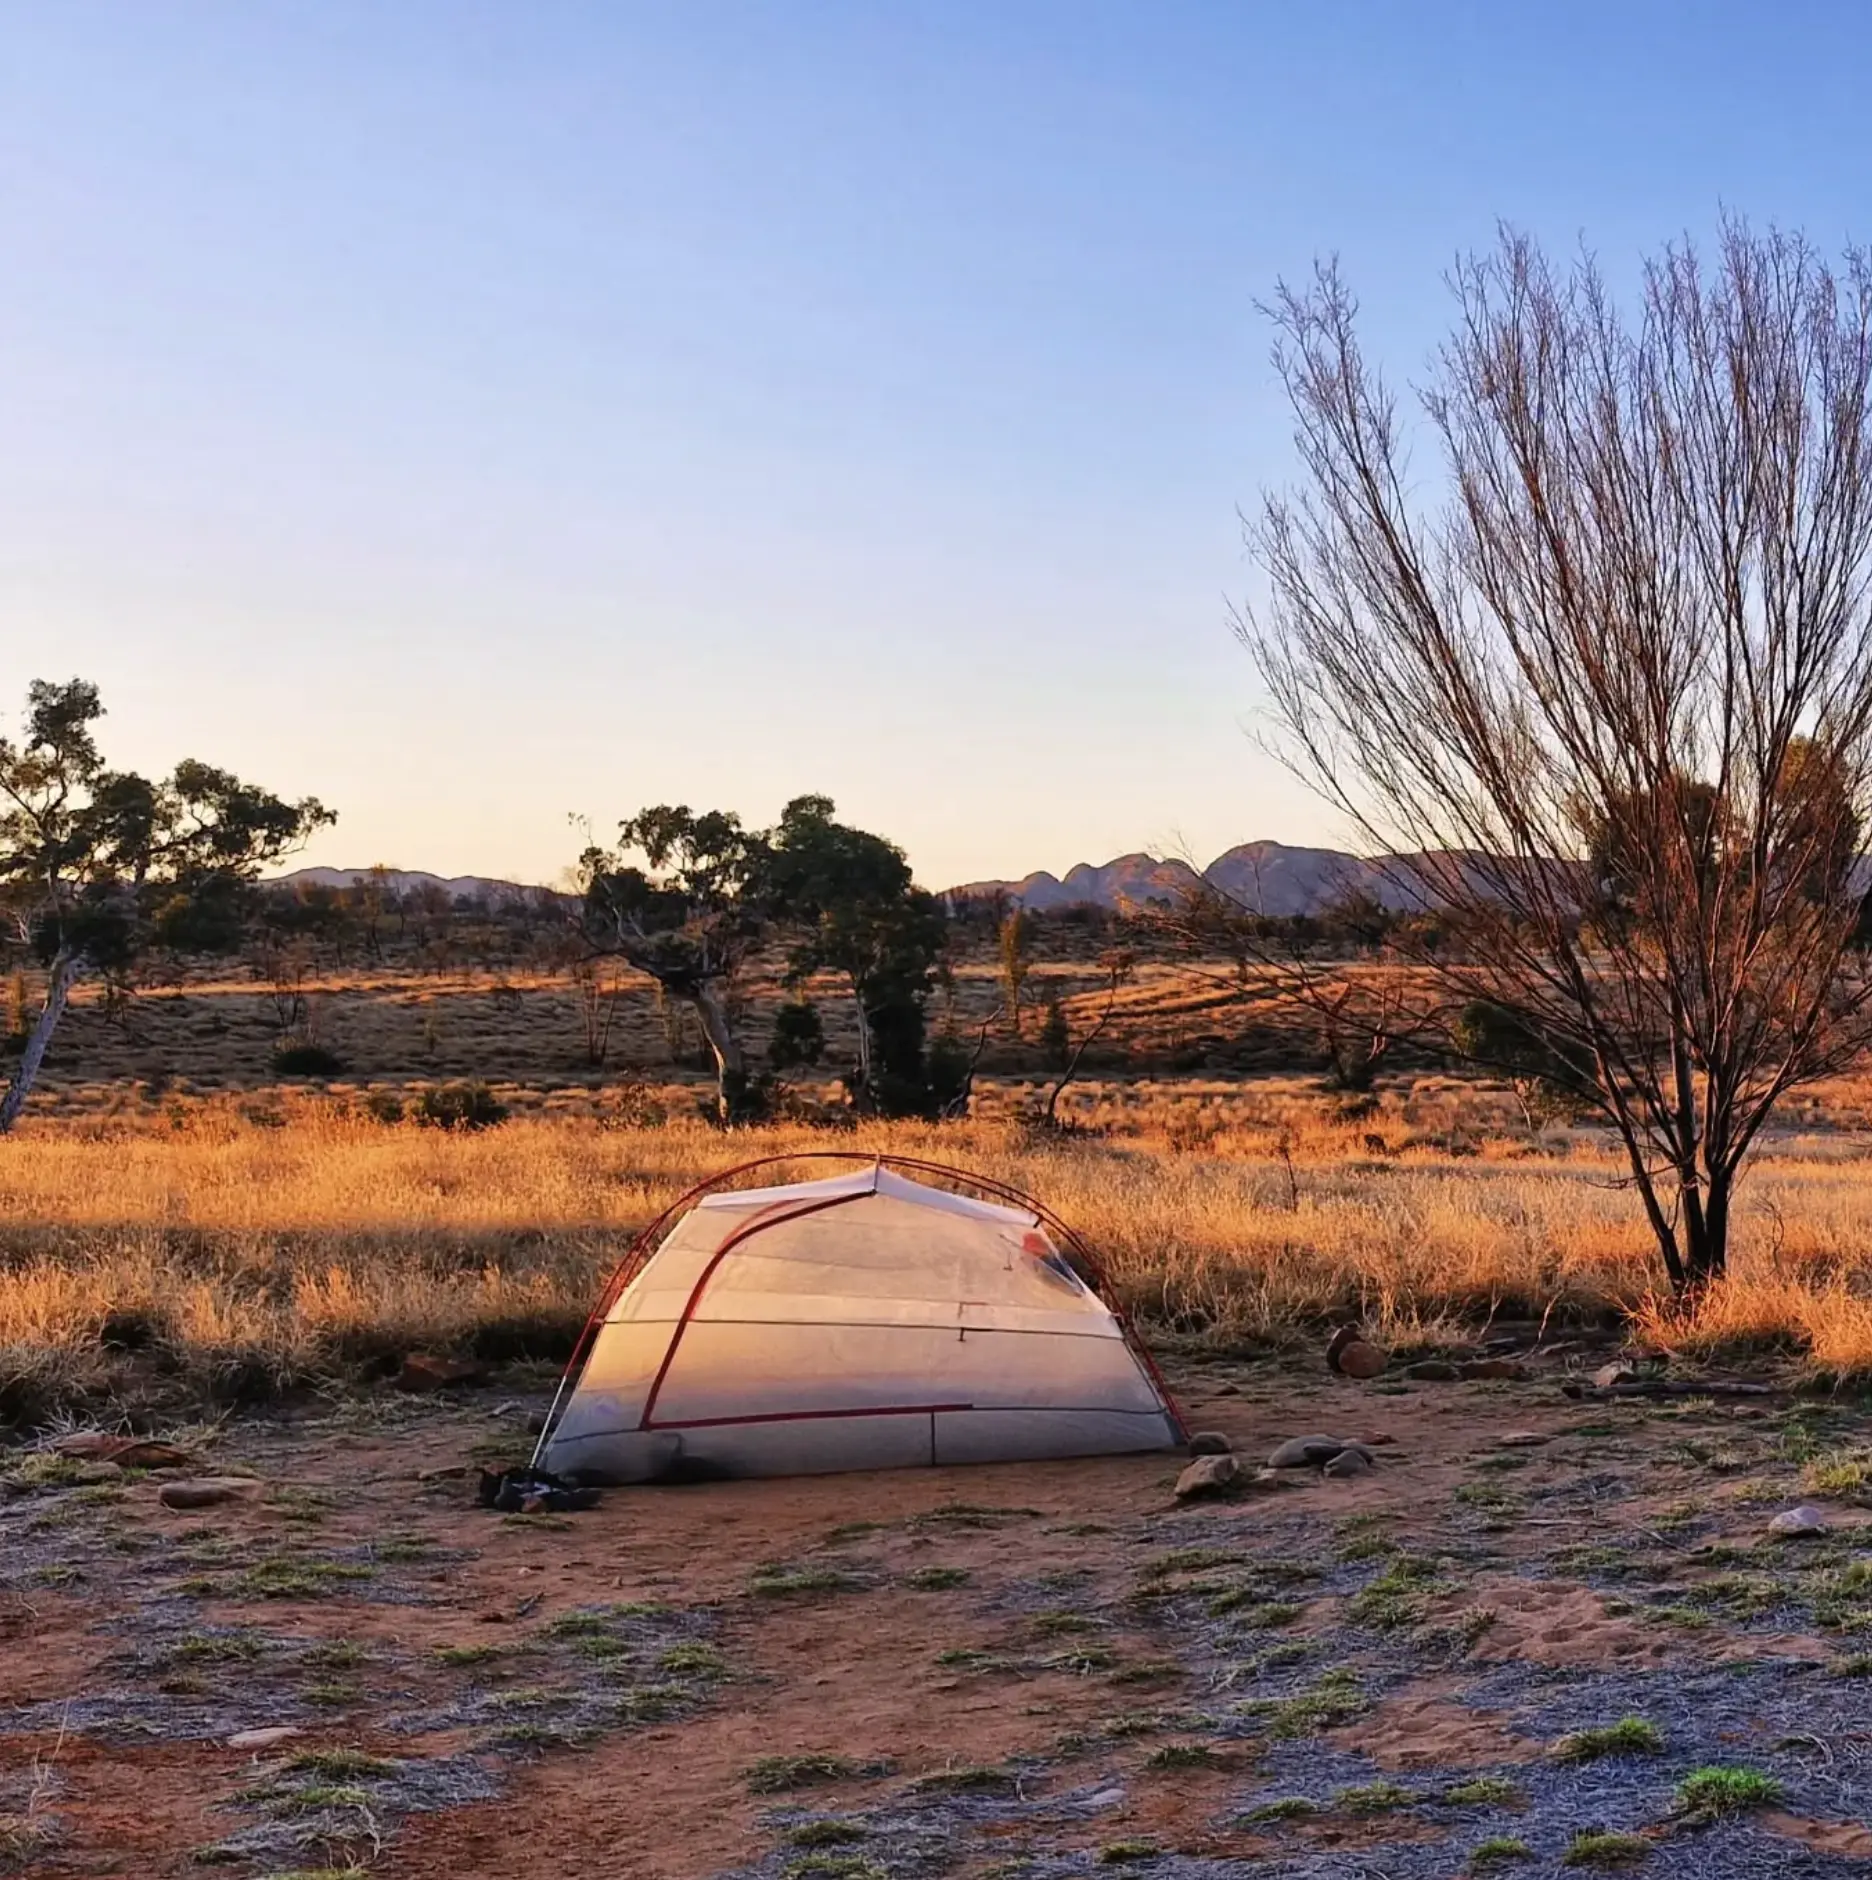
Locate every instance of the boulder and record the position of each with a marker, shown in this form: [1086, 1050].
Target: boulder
[1210, 1443]
[1305, 1452]
[1802, 1523]
[1362, 1361]
[1208, 1475]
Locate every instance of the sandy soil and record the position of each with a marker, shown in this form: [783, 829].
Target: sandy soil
[1025, 1670]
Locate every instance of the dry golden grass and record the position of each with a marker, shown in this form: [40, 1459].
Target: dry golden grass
[246, 1255]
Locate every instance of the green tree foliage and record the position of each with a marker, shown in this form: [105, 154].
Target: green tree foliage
[848, 899]
[99, 866]
[691, 898]
[1014, 941]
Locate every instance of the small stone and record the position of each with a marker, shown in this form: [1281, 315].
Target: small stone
[1433, 1371]
[263, 1739]
[1352, 1460]
[1523, 1439]
[1305, 1452]
[1274, 1478]
[1210, 1443]
[1799, 1523]
[1380, 1441]
[1362, 1361]
[207, 1491]
[1207, 1475]
[1608, 1375]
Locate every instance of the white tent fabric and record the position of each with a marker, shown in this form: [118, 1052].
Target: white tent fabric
[865, 1322]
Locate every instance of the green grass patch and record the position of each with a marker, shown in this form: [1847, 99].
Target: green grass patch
[1285, 1808]
[985, 1779]
[1498, 1851]
[783, 1582]
[1375, 1798]
[1714, 1791]
[825, 1834]
[1124, 1853]
[781, 1775]
[1482, 1792]
[1188, 1756]
[1630, 1736]
[936, 1579]
[1594, 1847]
[340, 1765]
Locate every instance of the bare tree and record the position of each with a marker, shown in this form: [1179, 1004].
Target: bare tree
[1606, 698]
[1117, 965]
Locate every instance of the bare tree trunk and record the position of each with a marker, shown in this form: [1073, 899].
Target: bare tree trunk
[730, 1065]
[64, 973]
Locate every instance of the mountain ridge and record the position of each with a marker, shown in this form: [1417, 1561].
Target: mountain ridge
[1270, 877]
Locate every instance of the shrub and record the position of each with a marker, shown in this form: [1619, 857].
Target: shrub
[300, 1057]
[384, 1106]
[1630, 1736]
[460, 1106]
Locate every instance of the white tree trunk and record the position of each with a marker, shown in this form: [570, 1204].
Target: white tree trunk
[729, 1063]
[58, 990]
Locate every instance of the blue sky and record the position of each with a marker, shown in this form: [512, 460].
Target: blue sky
[476, 414]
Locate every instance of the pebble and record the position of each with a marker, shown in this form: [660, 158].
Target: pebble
[1798, 1523]
[1207, 1475]
[1210, 1443]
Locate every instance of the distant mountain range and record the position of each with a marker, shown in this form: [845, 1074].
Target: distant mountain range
[401, 881]
[1269, 877]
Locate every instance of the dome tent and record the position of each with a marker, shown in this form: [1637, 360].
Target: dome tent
[866, 1321]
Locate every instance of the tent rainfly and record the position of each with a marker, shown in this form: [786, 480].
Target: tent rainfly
[868, 1321]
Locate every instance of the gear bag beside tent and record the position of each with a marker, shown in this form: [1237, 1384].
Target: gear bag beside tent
[867, 1321]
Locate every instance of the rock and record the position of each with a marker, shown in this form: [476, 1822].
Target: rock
[207, 1491]
[1505, 1369]
[1433, 1371]
[1380, 1441]
[1344, 1336]
[263, 1739]
[1352, 1460]
[1608, 1375]
[421, 1372]
[1210, 1443]
[1799, 1523]
[1523, 1439]
[1274, 1478]
[1362, 1361]
[1207, 1475]
[1228, 1390]
[126, 1452]
[1305, 1452]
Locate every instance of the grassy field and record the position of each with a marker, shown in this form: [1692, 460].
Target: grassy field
[250, 1242]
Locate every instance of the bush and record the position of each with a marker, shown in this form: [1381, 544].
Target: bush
[459, 1106]
[299, 1057]
[384, 1106]
[798, 1037]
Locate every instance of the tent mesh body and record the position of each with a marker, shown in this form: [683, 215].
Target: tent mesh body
[865, 1322]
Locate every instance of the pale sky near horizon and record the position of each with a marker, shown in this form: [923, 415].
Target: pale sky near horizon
[477, 413]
